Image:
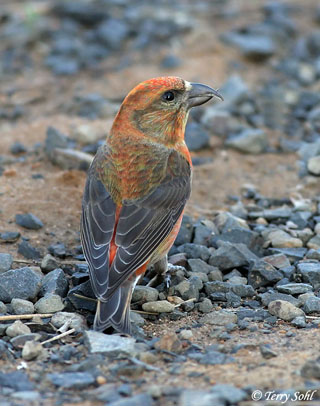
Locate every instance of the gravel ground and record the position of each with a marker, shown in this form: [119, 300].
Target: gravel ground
[240, 320]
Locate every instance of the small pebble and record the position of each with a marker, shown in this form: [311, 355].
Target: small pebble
[17, 328]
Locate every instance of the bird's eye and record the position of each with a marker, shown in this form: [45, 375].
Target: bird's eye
[168, 96]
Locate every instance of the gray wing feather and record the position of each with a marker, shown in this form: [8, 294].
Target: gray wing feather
[160, 211]
[97, 225]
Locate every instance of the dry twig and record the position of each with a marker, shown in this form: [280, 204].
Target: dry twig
[25, 316]
[59, 336]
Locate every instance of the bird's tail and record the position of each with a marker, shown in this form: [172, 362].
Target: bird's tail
[116, 311]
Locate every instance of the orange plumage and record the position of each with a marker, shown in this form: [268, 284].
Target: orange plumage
[136, 190]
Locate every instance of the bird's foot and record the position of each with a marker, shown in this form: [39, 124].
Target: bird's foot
[171, 270]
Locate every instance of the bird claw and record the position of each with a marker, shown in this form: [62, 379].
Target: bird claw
[171, 269]
[167, 280]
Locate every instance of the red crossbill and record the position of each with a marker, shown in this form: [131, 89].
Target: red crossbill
[136, 191]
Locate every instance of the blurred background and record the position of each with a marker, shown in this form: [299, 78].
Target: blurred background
[66, 65]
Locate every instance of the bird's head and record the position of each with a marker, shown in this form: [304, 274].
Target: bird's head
[159, 107]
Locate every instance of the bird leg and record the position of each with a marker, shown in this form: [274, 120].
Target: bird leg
[164, 270]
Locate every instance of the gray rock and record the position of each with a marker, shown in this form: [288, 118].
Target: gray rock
[311, 369]
[215, 275]
[313, 254]
[87, 134]
[309, 150]
[51, 303]
[186, 231]
[55, 282]
[185, 334]
[143, 294]
[267, 352]
[252, 45]
[294, 288]
[29, 221]
[23, 283]
[196, 137]
[19, 341]
[189, 289]
[73, 320]
[112, 32]
[310, 272]
[58, 250]
[83, 289]
[161, 306]
[262, 273]
[72, 159]
[3, 308]
[62, 64]
[203, 234]
[21, 306]
[250, 141]
[281, 239]
[312, 305]
[5, 262]
[54, 139]
[197, 266]
[143, 399]
[242, 290]
[215, 358]
[226, 221]
[280, 213]
[284, 310]
[313, 165]
[3, 328]
[17, 148]
[17, 329]
[299, 322]
[270, 296]
[27, 396]
[137, 319]
[305, 235]
[17, 380]
[234, 91]
[49, 263]
[71, 380]
[303, 298]
[205, 306]
[217, 286]
[112, 345]
[314, 242]
[220, 122]
[300, 218]
[293, 254]
[201, 275]
[32, 350]
[239, 235]
[219, 318]
[9, 236]
[233, 300]
[279, 261]
[28, 251]
[236, 278]
[191, 397]
[229, 256]
[195, 251]
[257, 314]
[170, 61]
[239, 210]
[228, 393]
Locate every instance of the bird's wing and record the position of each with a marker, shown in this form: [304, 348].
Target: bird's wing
[143, 224]
[96, 229]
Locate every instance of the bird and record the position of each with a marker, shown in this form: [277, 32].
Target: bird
[135, 193]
